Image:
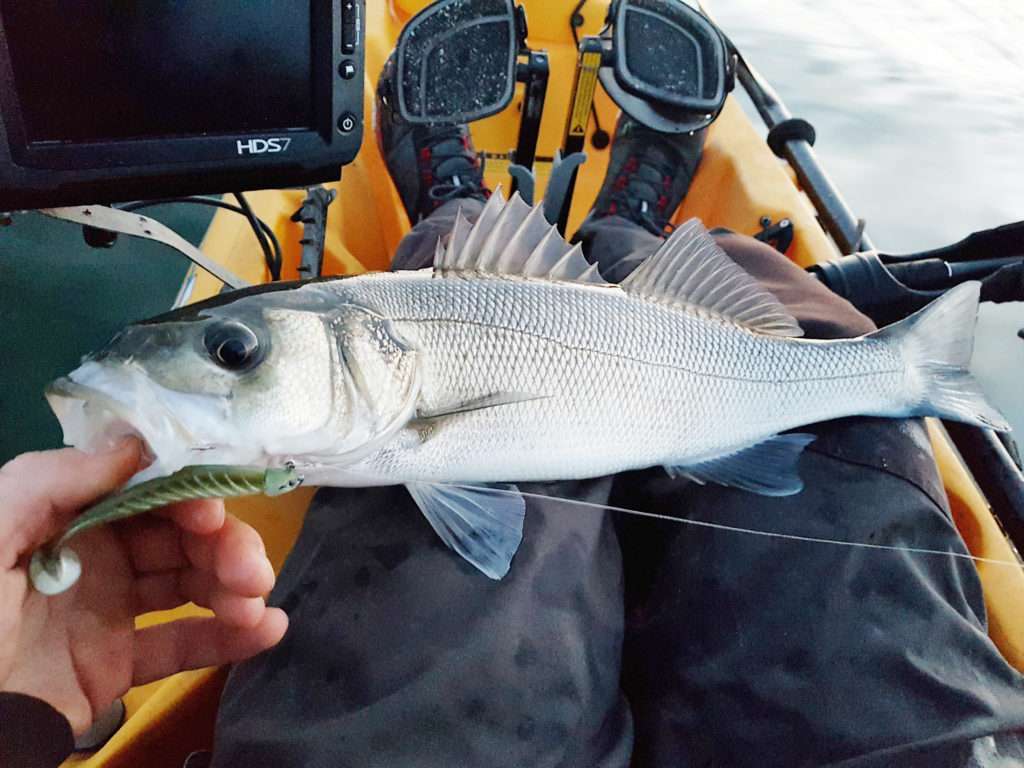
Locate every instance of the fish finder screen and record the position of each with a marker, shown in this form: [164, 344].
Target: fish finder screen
[107, 70]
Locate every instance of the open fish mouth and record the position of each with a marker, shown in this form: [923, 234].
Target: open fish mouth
[91, 419]
[94, 419]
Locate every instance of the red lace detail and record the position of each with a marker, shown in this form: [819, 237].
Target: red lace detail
[622, 180]
[425, 172]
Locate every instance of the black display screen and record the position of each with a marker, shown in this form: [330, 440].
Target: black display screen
[121, 69]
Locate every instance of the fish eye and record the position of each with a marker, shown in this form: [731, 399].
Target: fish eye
[233, 346]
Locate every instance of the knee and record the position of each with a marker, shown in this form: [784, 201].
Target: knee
[821, 313]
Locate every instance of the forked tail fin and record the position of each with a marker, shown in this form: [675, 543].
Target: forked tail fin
[937, 342]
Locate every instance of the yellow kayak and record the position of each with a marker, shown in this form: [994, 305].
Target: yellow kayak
[739, 182]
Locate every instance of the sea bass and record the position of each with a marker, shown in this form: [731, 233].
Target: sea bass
[511, 360]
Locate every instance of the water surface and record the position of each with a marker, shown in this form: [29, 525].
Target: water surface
[919, 110]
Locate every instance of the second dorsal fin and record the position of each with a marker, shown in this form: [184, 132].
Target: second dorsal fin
[691, 269]
[511, 239]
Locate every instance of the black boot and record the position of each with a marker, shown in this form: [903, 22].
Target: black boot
[429, 164]
[649, 174]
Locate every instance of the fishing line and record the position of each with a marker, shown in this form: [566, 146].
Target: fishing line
[751, 531]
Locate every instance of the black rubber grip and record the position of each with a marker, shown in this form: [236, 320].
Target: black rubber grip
[787, 130]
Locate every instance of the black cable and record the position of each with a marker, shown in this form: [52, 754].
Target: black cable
[273, 262]
[273, 259]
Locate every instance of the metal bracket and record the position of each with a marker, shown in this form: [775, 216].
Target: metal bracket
[313, 215]
[534, 73]
[137, 225]
[778, 235]
[523, 182]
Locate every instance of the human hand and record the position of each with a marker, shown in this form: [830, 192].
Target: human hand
[79, 651]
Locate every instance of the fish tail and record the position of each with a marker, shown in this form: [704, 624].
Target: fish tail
[937, 342]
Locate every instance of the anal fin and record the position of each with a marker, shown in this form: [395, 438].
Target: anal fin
[767, 468]
[484, 524]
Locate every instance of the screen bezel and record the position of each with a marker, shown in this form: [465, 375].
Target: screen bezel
[180, 148]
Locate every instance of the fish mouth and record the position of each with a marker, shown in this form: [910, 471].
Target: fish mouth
[91, 419]
[94, 420]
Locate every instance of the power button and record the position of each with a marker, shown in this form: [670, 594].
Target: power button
[347, 123]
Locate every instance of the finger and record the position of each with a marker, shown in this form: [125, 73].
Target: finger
[165, 649]
[232, 608]
[196, 516]
[153, 544]
[236, 555]
[164, 591]
[158, 592]
[40, 492]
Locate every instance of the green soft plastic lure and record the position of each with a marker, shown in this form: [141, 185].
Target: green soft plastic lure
[55, 568]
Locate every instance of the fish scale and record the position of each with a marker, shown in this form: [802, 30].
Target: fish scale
[640, 382]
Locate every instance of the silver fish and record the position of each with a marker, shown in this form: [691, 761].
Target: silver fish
[511, 360]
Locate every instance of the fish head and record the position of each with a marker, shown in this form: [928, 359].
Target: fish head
[263, 380]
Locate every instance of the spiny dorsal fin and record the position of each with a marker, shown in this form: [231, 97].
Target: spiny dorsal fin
[500, 236]
[691, 269]
[511, 239]
[525, 240]
[458, 237]
[456, 260]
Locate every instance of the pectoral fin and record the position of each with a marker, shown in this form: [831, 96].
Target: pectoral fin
[493, 400]
[484, 524]
[767, 468]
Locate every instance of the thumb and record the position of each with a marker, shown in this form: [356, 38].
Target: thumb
[41, 492]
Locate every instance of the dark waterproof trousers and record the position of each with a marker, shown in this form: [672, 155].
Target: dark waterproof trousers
[619, 640]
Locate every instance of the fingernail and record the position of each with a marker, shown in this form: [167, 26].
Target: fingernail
[121, 444]
[269, 568]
